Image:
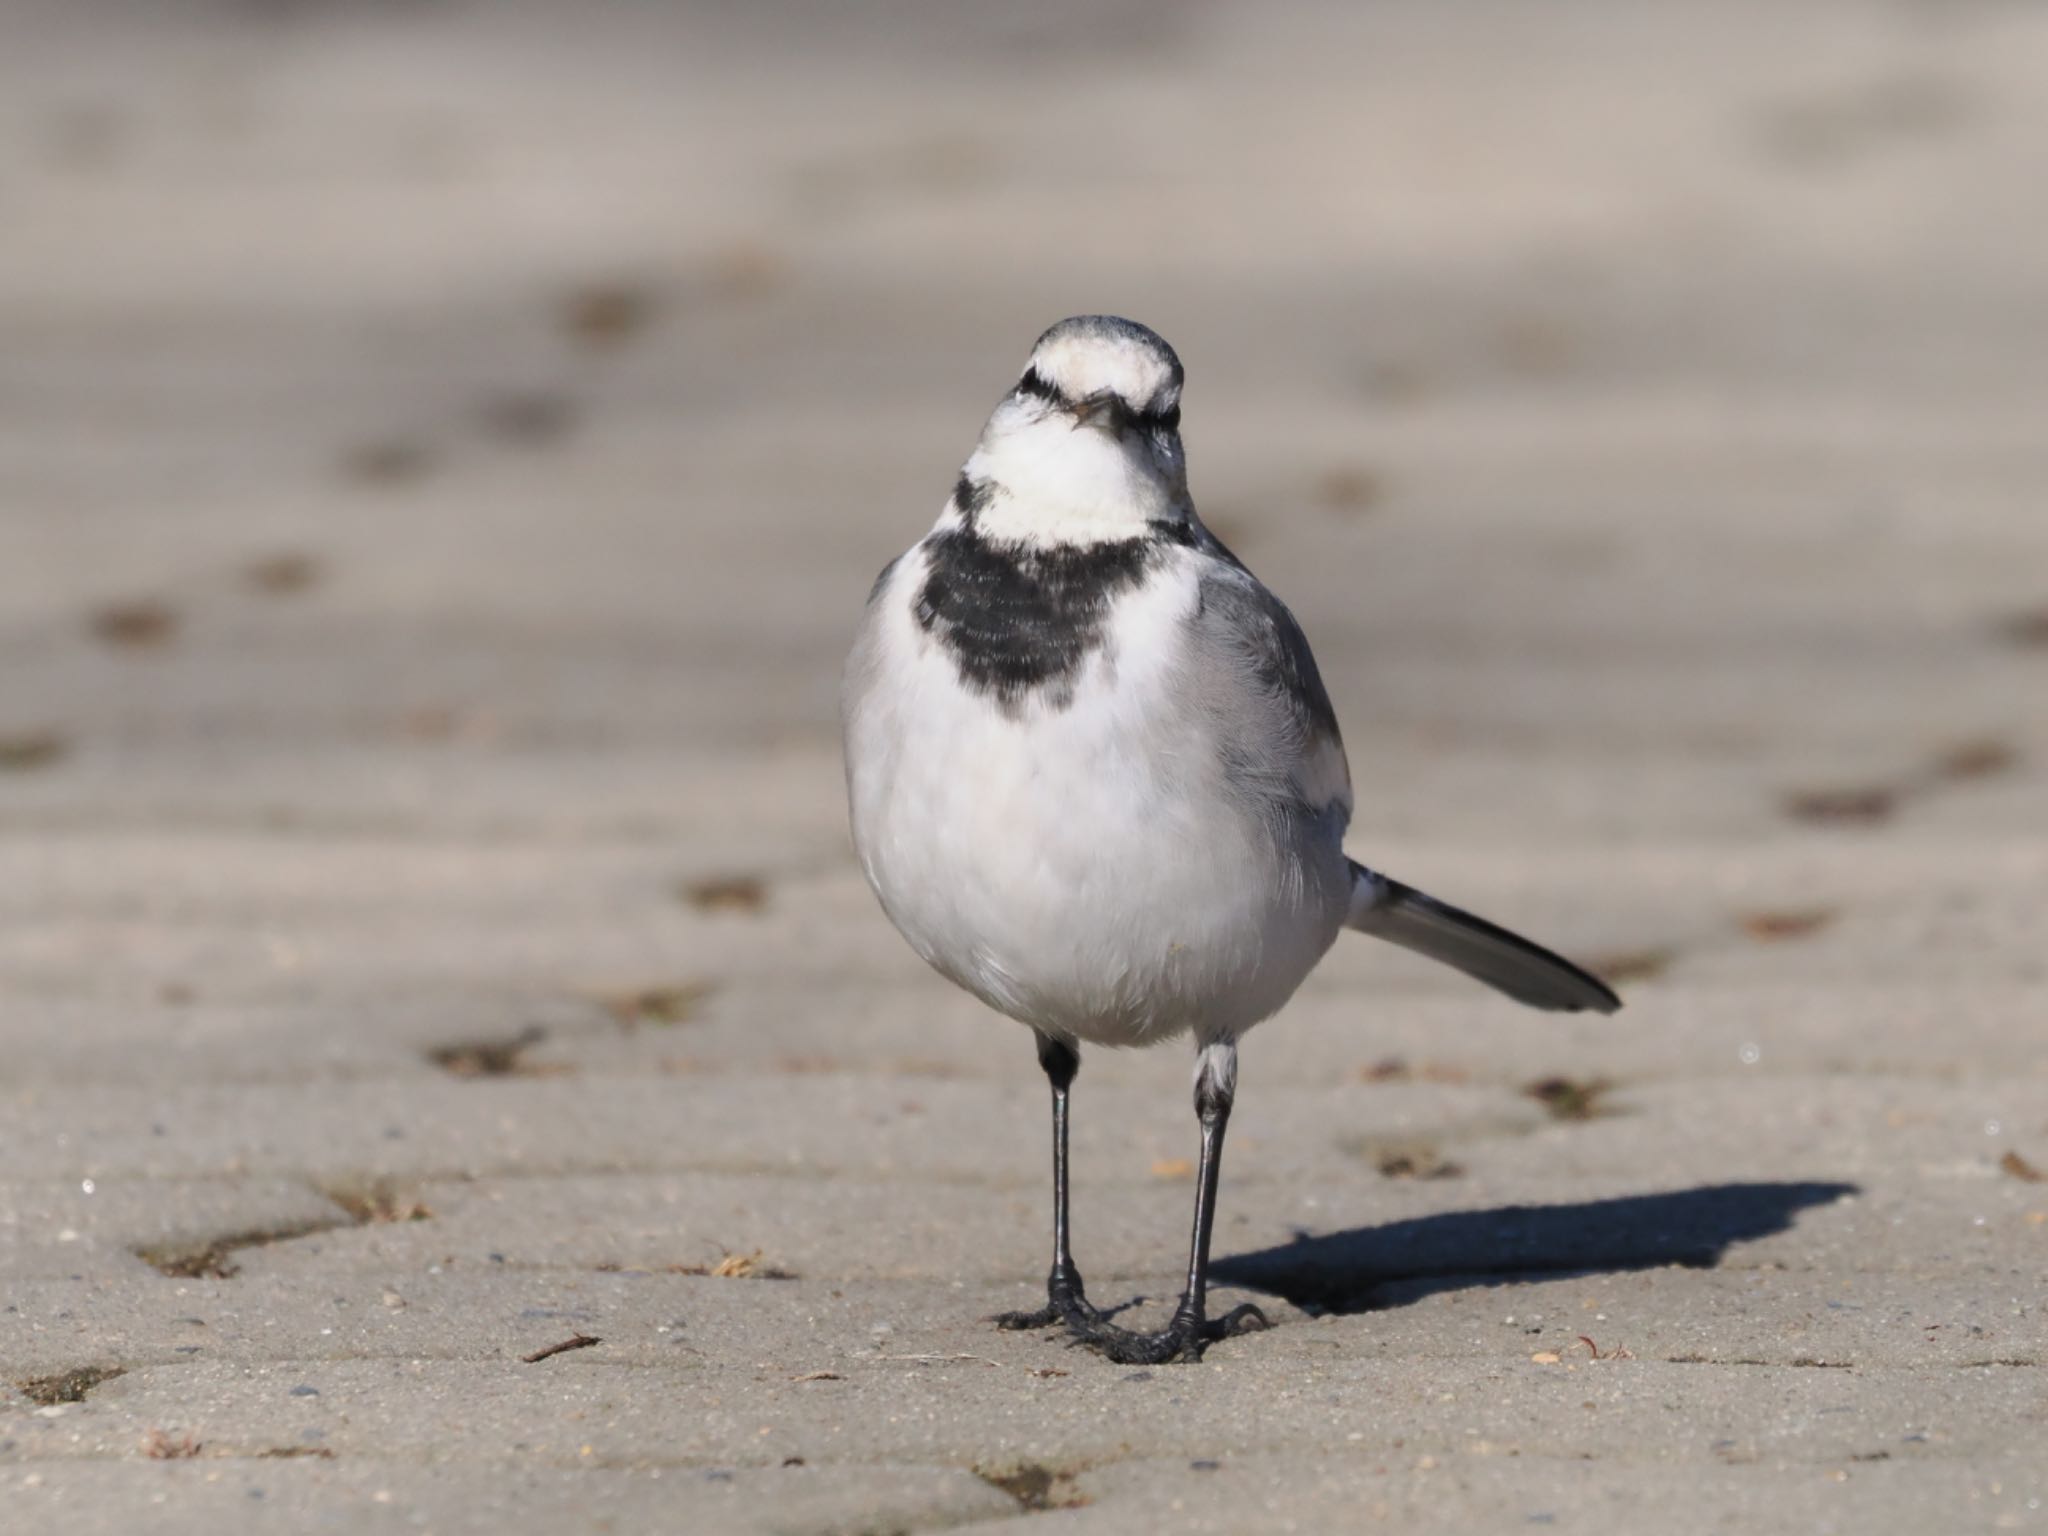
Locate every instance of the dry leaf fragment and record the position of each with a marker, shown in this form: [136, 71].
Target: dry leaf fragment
[574, 1341]
[282, 573]
[488, 1058]
[529, 417]
[2021, 1169]
[606, 314]
[1769, 927]
[142, 624]
[1619, 1352]
[158, 1446]
[375, 1201]
[1842, 807]
[390, 462]
[1172, 1168]
[1975, 760]
[1349, 489]
[734, 1266]
[36, 749]
[726, 893]
[2027, 630]
[1570, 1098]
[1414, 1158]
[1545, 1357]
[657, 1005]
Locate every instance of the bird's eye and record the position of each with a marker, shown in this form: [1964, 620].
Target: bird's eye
[1033, 383]
[1170, 418]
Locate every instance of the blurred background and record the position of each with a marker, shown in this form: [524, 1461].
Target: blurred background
[444, 448]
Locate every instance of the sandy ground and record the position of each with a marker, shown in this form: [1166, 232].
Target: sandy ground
[443, 450]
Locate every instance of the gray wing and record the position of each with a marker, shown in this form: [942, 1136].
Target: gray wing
[1281, 748]
[1282, 756]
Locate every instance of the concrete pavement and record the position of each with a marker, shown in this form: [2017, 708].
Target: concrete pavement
[442, 452]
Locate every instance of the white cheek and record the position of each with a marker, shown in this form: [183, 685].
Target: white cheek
[1076, 482]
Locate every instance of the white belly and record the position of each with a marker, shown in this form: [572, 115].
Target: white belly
[1079, 869]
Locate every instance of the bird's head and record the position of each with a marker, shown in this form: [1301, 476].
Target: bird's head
[1086, 447]
[1107, 373]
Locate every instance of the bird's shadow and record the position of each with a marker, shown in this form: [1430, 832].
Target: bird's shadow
[1367, 1268]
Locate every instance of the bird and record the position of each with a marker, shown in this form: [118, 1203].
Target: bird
[1094, 778]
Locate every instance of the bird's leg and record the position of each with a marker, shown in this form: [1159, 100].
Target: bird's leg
[1190, 1331]
[1064, 1299]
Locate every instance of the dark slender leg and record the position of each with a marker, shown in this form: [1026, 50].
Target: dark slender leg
[1189, 1333]
[1064, 1299]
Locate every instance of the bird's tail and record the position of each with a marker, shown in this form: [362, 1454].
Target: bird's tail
[1506, 962]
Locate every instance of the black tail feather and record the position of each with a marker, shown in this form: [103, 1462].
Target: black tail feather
[1486, 952]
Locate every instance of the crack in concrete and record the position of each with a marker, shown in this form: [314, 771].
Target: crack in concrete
[211, 1258]
[358, 1201]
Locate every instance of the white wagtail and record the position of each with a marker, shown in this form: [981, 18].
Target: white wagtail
[1095, 779]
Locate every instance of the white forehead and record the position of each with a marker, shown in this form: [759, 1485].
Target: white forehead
[1091, 353]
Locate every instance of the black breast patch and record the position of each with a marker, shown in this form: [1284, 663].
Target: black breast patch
[1019, 621]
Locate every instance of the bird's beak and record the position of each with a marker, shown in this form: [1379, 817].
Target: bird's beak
[1103, 409]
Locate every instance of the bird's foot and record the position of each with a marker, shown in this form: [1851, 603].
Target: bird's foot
[1183, 1339]
[1065, 1302]
[1020, 1322]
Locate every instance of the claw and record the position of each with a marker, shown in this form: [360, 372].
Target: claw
[1065, 1302]
[1183, 1339]
[1021, 1322]
[1238, 1320]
